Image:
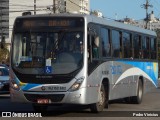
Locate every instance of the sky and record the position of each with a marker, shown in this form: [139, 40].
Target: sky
[119, 9]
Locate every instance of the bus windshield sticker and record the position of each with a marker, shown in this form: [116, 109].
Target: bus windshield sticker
[48, 62]
[25, 58]
[48, 68]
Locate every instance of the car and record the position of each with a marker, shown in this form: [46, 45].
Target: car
[4, 80]
[4, 65]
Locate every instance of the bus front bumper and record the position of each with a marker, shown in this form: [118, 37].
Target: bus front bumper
[75, 97]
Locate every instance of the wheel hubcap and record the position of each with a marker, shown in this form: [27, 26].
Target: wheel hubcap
[101, 101]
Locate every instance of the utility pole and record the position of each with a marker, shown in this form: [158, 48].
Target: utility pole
[57, 5]
[146, 6]
[54, 6]
[34, 7]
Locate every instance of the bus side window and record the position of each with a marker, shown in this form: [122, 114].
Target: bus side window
[116, 44]
[127, 44]
[121, 50]
[146, 47]
[105, 40]
[137, 46]
[153, 48]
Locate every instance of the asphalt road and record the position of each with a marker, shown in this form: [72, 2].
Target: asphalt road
[119, 108]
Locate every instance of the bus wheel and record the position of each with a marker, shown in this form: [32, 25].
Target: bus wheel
[39, 108]
[138, 98]
[100, 105]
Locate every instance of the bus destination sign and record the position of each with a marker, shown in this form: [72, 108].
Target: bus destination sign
[49, 23]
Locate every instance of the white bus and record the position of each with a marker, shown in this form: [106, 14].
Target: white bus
[80, 59]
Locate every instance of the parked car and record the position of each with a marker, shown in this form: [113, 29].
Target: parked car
[4, 65]
[4, 79]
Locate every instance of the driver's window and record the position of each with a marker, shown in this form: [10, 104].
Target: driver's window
[95, 46]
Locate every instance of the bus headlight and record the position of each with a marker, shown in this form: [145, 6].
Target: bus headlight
[15, 85]
[77, 84]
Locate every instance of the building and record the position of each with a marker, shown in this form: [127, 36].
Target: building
[78, 6]
[152, 24]
[4, 19]
[17, 7]
[71, 6]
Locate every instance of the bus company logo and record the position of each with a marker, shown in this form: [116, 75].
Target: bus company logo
[14, 114]
[43, 88]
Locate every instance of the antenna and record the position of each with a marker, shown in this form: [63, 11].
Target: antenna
[146, 6]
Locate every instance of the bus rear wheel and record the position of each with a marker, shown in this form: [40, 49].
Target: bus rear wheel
[100, 105]
[138, 98]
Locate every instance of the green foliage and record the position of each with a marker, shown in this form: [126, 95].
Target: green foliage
[4, 54]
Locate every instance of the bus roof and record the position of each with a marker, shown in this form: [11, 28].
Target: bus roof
[98, 20]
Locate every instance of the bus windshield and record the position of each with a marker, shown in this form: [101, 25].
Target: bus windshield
[60, 51]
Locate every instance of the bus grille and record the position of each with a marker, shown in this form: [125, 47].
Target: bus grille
[53, 98]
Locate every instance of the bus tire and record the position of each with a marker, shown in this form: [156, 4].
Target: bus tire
[138, 98]
[100, 105]
[39, 108]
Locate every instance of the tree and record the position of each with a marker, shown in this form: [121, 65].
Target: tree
[4, 52]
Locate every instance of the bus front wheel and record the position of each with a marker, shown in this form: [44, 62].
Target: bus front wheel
[100, 105]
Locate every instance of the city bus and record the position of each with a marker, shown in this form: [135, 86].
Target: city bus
[80, 59]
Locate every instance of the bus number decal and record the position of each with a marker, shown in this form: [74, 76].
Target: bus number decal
[116, 70]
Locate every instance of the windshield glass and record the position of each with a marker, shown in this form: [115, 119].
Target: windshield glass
[58, 52]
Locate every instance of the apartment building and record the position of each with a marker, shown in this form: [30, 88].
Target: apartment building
[4, 19]
[79, 6]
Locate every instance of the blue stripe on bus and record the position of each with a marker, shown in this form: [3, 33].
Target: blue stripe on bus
[150, 68]
[29, 86]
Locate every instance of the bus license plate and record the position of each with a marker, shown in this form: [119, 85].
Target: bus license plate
[42, 101]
